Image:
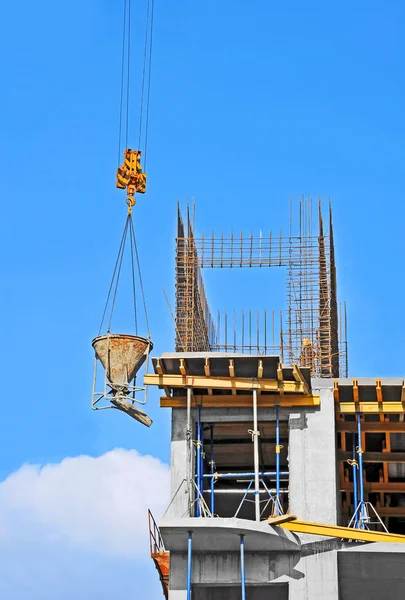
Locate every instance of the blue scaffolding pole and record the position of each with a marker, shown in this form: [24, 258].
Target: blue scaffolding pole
[198, 461]
[242, 566]
[364, 511]
[189, 563]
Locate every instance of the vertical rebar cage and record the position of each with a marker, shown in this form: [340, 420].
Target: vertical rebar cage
[311, 331]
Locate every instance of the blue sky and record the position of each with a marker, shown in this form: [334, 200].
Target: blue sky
[251, 104]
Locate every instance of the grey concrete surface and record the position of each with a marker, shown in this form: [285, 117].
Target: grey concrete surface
[223, 535]
[311, 575]
[372, 572]
[178, 464]
[312, 462]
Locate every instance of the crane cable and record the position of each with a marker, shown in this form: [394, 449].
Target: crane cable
[129, 229]
[123, 127]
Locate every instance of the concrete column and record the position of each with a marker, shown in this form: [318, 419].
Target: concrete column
[178, 464]
[313, 494]
[312, 462]
[319, 580]
[178, 576]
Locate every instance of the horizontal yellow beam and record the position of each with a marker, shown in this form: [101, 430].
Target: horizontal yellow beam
[222, 383]
[370, 407]
[241, 401]
[346, 533]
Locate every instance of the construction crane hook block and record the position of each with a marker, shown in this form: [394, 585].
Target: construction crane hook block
[131, 177]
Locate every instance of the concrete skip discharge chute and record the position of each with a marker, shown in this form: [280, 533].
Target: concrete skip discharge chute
[122, 355]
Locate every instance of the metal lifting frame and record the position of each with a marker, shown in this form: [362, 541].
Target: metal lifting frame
[121, 397]
[361, 518]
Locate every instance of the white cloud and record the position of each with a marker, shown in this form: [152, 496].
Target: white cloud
[92, 504]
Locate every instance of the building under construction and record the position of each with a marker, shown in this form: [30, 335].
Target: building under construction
[287, 477]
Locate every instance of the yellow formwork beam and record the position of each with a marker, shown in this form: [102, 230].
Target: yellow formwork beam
[241, 401]
[370, 407]
[345, 533]
[223, 383]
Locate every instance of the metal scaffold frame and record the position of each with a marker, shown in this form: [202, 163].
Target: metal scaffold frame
[312, 331]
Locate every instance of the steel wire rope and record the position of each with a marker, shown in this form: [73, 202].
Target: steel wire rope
[145, 54]
[120, 251]
[120, 258]
[126, 77]
[149, 80]
[122, 82]
[132, 231]
[133, 274]
[128, 70]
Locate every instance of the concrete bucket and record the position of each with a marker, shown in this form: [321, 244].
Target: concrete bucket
[121, 355]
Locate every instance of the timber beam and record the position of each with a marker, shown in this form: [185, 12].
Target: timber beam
[371, 426]
[241, 401]
[224, 383]
[376, 457]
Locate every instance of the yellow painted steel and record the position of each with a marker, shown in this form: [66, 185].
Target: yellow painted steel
[346, 533]
[241, 401]
[370, 407]
[131, 176]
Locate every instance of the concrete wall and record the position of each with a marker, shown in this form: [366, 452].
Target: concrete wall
[312, 460]
[372, 572]
[310, 575]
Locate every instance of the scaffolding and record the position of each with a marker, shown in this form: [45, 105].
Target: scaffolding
[311, 331]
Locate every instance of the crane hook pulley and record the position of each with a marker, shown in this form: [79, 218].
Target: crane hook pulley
[131, 176]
